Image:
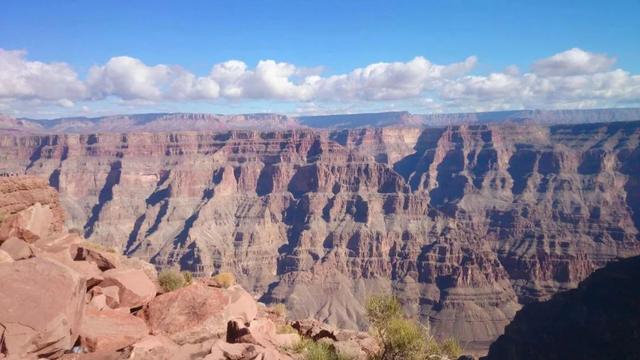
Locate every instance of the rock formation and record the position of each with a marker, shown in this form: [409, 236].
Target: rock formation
[463, 223]
[72, 299]
[598, 320]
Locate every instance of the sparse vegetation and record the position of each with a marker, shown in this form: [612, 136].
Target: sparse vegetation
[172, 279]
[279, 309]
[312, 350]
[225, 279]
[402, 338]
[285, 329]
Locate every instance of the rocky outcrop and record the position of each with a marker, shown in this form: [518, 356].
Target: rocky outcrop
[41, 305]
[70, 299]
[598, 320]
[465, 224]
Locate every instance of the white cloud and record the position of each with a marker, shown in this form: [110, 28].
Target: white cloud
[130, 79]
[24, 79]
[573, 78]
[573, 62]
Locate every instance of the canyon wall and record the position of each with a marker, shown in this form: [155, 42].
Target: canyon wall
[463, 223]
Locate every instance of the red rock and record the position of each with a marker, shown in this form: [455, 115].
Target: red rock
[111, 293]
[242, 306]
[135, 287]
[41, 305]
[105, 260]
[110, 330]
[153, 347]
[189, 315]
[16, 248]
[5, 257]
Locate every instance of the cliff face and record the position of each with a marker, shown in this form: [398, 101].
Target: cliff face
[463, 223]
[598, 320]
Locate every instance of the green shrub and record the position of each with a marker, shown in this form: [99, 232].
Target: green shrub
[321, 351]
[311, 350]
[172, 279]
[402, 338]
[225, 279]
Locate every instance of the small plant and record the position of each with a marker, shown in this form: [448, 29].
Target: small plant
[188, 277]
[402, 338]
[285, 329]
[225, 279]
[279, 309]
[172, 279]
[312, 350]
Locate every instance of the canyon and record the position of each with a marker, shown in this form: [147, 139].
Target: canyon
[463, 223]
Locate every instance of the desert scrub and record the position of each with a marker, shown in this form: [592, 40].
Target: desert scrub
[172, 279]
[311, 350]
[285, 329]
[224, 279]
[402, 338]
[279, 309]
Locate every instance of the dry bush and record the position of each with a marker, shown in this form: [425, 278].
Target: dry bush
[225, 279]
[172, 279]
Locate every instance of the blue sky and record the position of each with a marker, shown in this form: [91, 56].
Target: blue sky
[316, 39]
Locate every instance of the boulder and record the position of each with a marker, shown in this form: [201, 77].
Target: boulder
[41, 306]
[153, 347]
[225, 351]
[188, 315]
[16, 248]
[135, 287]
[314, 329]
[110, 330]
[5, 257]
[242, 306]
[139, 264]
[104, 259]
[261, 332]
[111, 293]
[30, 224]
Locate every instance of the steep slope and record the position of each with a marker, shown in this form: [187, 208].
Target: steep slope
[598, 320]
[463, 223]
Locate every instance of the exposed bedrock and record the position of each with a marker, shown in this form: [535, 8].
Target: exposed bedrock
[465, 223]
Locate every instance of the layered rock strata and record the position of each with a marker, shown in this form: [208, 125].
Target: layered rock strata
[463, 223]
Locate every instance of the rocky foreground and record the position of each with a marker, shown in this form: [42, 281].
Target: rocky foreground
[62, 297]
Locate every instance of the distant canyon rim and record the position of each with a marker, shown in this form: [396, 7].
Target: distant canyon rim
[465, 217]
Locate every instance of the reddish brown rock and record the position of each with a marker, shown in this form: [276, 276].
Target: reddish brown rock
[16, 248]
[189, 315]
[242, 306]
[103, 258]
[5, 257]
[41, 306]
[111, 295]
[110, 330]
[135, 287]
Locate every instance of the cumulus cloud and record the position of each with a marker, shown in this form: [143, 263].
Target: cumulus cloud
[130, 79]
[573, 78]
[24, 79]
[573, 62]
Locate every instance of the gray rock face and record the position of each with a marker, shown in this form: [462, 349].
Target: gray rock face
[464, 223]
